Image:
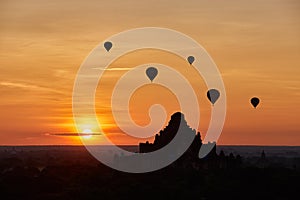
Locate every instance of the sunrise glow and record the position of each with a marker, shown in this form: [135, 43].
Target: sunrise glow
[256, 49]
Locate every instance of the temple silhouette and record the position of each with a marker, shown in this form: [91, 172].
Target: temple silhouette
[166, 135]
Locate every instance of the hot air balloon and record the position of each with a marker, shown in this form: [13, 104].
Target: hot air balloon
[213, 95]
[108, 45]
[191, 59]
[254, 101]
[151, 73]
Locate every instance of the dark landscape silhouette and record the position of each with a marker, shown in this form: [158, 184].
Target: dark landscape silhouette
[70, 172]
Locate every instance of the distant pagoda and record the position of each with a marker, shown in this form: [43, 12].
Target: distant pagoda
[166, 135]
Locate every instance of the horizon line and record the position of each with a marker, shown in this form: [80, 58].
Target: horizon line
[78, 145]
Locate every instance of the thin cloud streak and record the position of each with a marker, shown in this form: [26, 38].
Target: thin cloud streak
[28, 86]
[73, 134]
[113, 69]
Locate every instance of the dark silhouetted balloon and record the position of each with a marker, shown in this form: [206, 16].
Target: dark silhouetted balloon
[107, 45]
[213, 95]
[151, 72]
[191, 59]
[254, 101]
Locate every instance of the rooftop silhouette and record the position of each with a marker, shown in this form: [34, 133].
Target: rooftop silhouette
[166, 135]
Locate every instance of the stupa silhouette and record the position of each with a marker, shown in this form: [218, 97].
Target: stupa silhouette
[166, 135]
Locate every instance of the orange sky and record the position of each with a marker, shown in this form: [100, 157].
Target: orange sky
[255, 44]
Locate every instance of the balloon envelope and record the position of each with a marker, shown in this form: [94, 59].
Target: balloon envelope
[151, 72]
[191, 59]
[254, 101]
[213, 95]
[107, 45]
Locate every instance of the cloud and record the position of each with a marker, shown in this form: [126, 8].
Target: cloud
[245, 73]
[73, 134]
[28, 86]
[114, 69]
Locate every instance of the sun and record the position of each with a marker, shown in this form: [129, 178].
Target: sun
[88, 132]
